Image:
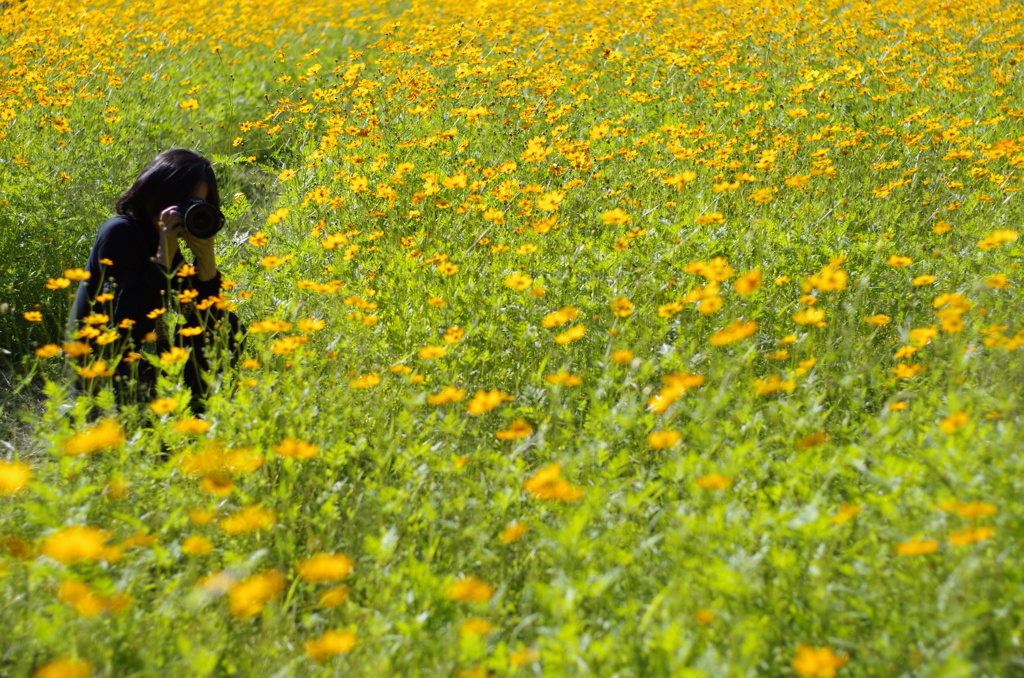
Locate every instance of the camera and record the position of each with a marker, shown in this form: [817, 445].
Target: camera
[202, 219]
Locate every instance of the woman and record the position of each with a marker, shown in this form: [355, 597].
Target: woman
[136, 268]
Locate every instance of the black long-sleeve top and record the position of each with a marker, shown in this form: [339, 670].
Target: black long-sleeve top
[122, 262]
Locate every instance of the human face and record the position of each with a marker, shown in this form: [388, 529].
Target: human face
[201, 191]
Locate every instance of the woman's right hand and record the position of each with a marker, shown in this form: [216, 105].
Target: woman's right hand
[171, 226]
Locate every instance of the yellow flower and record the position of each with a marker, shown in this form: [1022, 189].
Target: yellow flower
[810, 316]
[430, 352]
[704, 616]
[954, 422]
[622, 356]
[570, 335]
[548, 484]
[104, 435]
[821, 662]
[296, 449]
[513, 532]
[175, 355]
[616, 217]
[33, 316]
[192, 425]
[47, 351]
[518, 281]
[476, 626]
[326, 567]
[469, 589]
[560, 317]
[847, 512]
[879, 320]
[736, 331]
[971, 535]
[196, 546]
[331, 643]
[518, 428]
[333, 597]
[64, 667]
[248, 519]
[524, 656]
[248, 597]
[917, 547]
[997, 237]
[14, 477]
[622, 307]
[75, 544]
[772, 384]
[663, 440]
[163, 405]
[485, 401]
[563, 378]
[897, 261]
[189, 104]
[908, 370]
[714, 481]
[449, 394]
[77, 274]
[365, 381]
[748, 283]
[922, 280]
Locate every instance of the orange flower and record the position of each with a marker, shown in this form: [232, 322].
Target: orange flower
[326, 567]
[469, 589]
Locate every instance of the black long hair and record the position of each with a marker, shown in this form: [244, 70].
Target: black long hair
[168, 180]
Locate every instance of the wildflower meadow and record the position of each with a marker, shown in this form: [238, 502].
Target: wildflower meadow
[619, 338]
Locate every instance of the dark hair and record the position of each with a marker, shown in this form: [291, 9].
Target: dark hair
[168, 180]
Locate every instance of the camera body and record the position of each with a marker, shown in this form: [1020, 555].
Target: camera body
[202, 219]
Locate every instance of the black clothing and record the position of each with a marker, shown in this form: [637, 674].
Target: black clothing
[122, 263]
[140, 281]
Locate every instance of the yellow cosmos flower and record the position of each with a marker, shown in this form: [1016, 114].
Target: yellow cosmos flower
[333, 597]
[248, 519]
[548, 484]
[570, 335]
[296, 449]
[248, 597]
[330, 644]
[663, 440]
[476, 626]
[75, 544]
[485, 401]
[64, 667]
[14, 477]
[430, 352]
[518, 428]
[106, 434]
[817, 662]
[326, 567]
[449, 394]
[513, 532]
[917, 547]
[954, 422]
[469, 589]
[196, 546]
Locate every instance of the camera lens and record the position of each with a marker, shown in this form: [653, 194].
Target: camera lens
[202, 219]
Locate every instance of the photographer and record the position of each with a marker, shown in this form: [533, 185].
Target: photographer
[136, 268]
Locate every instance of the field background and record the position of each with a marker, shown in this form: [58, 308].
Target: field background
[619, 339]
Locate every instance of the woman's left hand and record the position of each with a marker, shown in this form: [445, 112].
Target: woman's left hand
[206, 261]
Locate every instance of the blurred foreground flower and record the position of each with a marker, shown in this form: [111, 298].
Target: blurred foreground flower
[248, 597]
[548, 484]
[821, 662]
[106, 434]
[331, 643]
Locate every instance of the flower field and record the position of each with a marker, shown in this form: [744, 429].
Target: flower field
[625, 338]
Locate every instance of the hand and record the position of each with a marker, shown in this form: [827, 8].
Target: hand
[206, 261]
[170, 226]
